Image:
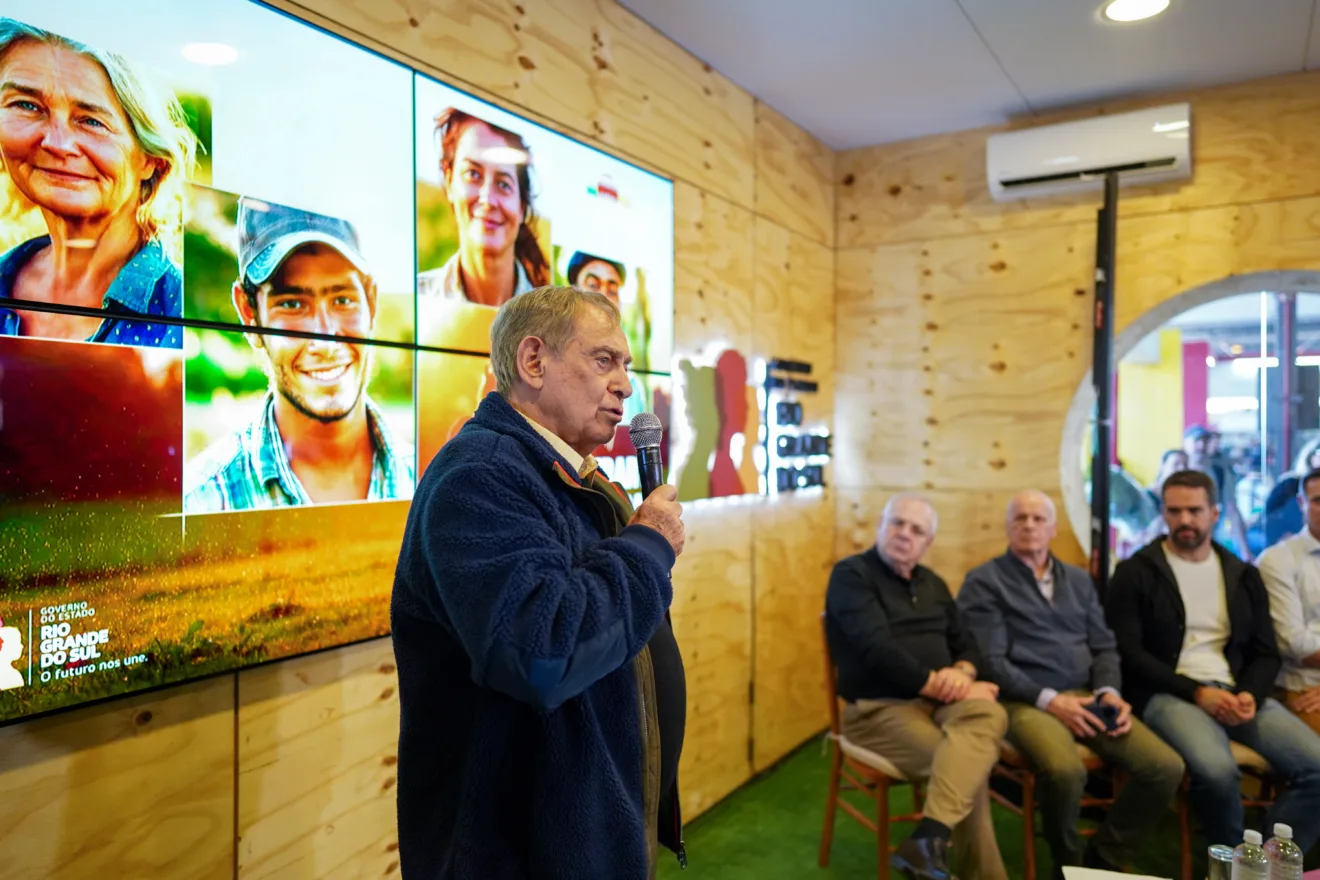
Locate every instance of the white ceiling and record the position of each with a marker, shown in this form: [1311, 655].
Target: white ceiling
[862, 72]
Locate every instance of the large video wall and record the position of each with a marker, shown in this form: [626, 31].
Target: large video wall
[247, 277]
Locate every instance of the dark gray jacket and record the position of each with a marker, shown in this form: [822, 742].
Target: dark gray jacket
[1030, 645]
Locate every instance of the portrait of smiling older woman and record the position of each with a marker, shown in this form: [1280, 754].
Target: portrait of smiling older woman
[89, 144]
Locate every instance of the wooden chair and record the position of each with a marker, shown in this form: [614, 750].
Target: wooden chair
[1254, 766]
[1013, 766]
[853, 768]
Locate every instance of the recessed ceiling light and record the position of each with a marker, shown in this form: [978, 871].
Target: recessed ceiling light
[1134, 10]
[211, 54]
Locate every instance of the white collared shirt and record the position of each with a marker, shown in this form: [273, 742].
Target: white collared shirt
[1291, 571]
[1045, 582]
[581, 466]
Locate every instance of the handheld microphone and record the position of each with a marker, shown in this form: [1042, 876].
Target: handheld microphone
[646, 432]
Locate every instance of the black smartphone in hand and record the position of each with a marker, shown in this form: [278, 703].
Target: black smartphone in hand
[1105, 712]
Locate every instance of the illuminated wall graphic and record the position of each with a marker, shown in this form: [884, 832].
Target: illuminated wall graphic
[720, 413]
[742, 437]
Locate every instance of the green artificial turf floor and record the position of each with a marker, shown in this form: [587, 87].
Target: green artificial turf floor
[770, 829]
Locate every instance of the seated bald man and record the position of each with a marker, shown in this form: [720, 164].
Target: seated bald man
[1039, 624]
[908, 671]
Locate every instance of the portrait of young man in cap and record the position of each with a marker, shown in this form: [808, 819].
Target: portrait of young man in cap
[317, 438]
[597, 274]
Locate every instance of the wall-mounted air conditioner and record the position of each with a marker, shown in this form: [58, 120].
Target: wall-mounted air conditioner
[1146, 146]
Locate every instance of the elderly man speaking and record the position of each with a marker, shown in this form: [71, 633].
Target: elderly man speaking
[1041, 628]
[542, 690]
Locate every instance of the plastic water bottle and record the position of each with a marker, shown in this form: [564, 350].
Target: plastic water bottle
[1249, 862]
[1284, 855]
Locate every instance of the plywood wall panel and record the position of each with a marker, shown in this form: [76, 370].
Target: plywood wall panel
[317, 755]
[794, 555]
[794, 320]
[589, 65]
[1162, 256]
[794, 177]
[712, 617]
[1251, 142]
[1008, 331]
[957, 369]
[713, 272]
[794, 303]
[140, 787]
[882, 396]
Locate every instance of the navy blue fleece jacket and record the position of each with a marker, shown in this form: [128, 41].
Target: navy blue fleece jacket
[514, 624]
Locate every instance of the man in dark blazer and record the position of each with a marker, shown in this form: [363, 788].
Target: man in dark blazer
[1199, 662]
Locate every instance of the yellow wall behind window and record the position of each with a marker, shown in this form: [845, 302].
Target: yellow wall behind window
[1150, 407]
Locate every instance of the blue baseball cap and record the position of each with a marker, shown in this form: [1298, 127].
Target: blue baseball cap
[580, 260]
[268, 233]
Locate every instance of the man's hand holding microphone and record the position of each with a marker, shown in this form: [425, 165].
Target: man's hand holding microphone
[662, 512]
[660, 509]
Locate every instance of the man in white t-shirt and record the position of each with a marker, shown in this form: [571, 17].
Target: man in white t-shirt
[1199, 661]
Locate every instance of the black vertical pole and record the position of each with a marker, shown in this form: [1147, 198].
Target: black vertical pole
[1102, 378]
[1286, 348]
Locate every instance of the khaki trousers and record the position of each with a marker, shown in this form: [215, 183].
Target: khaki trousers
[953, 747]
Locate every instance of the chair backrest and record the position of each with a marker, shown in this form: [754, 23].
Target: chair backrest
[831, 677]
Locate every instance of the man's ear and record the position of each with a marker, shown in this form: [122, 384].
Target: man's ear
[369, 288]
[246, 315]
[531, 360]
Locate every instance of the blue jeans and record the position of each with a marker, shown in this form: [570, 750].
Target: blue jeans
[1283, 739]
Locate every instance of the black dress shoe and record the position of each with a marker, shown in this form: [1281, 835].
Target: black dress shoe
[1093, 859]
[922, 859]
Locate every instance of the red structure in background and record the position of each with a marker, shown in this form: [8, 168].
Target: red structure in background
[1196, 383]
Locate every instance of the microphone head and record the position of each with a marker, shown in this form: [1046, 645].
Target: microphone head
[646, 430]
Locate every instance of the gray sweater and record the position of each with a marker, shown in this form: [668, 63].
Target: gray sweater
[1030, 645]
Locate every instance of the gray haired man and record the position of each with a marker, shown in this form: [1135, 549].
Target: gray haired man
[1039, 624]
[541, 688]
[908, 671]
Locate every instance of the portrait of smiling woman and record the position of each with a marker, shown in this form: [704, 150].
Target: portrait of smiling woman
[102, 156]
[486, 172]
